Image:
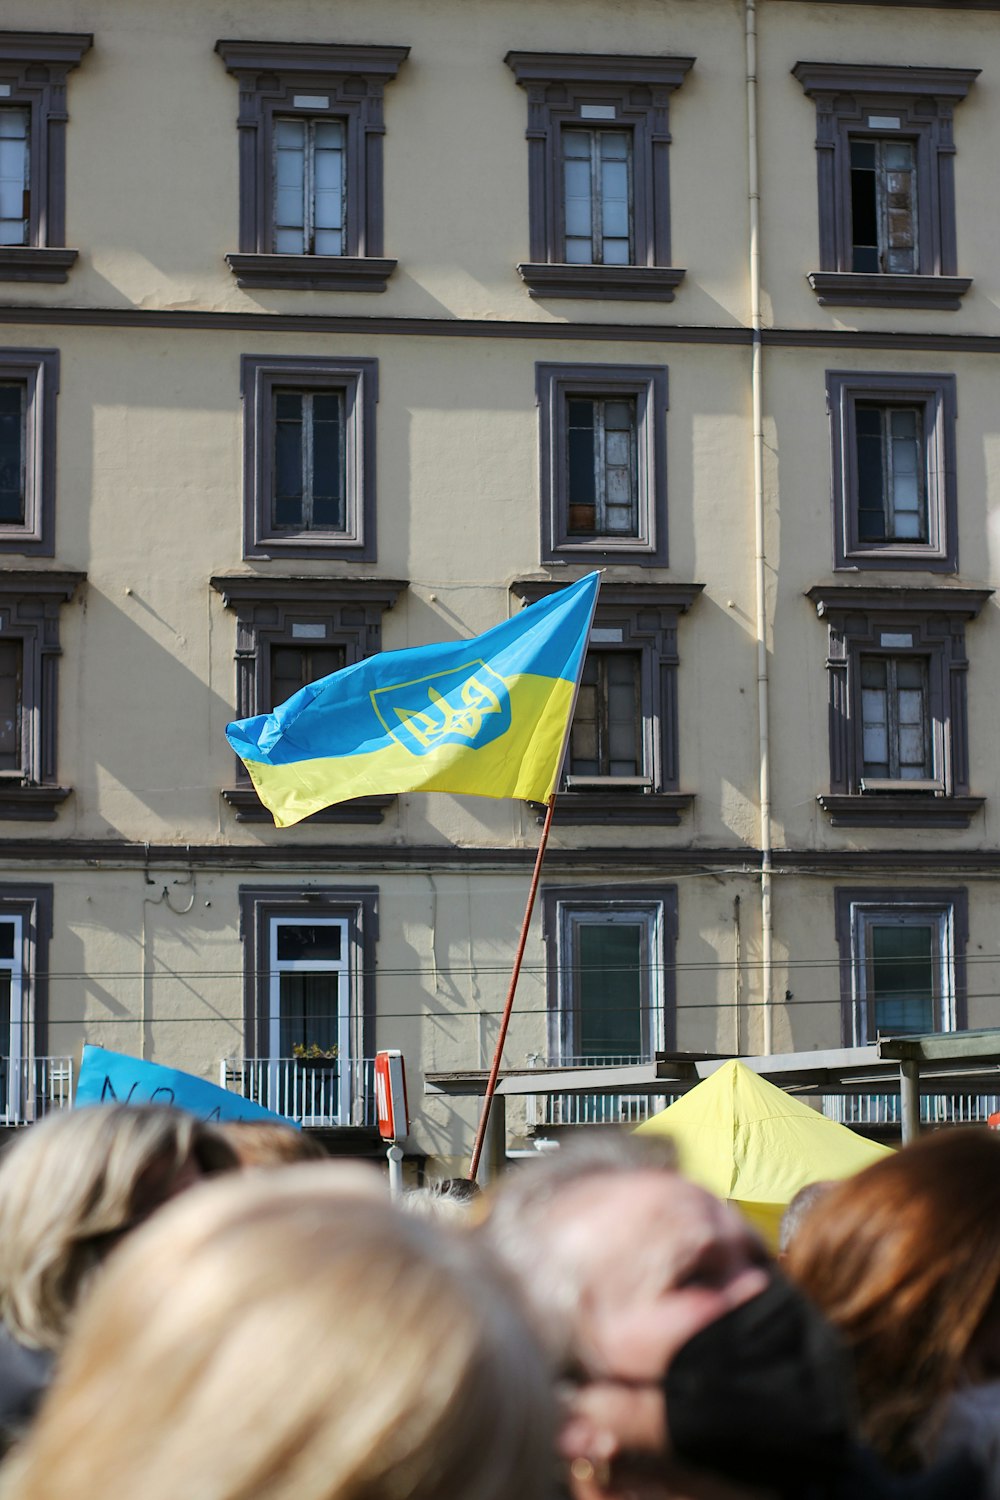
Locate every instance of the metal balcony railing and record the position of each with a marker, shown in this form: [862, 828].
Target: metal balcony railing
[31, 1087]
[935, 1109]
[546, 1111]
[311, 1091]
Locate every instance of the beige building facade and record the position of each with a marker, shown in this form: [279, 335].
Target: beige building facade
[329, 329]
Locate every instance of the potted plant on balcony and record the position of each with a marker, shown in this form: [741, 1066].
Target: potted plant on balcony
[312, 1055]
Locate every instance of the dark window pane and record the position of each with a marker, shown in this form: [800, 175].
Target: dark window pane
[606, 737]
[292, 667]
[328, 466]
[10, 705]
[610, 990]
[7, 939]
[902, 978]
[582, 486]
[864, 207]
[303, 940]
[288, 464]
[869, 430]
[12, 441]
[308, 1011]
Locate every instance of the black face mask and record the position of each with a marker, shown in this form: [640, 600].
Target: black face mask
[762, 1396]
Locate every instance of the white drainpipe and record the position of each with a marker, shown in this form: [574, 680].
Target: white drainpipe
[763, 685]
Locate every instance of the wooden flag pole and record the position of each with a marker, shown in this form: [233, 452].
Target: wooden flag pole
[491, 1086]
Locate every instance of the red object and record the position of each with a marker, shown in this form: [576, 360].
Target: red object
[993, 1121]
[390, 1096]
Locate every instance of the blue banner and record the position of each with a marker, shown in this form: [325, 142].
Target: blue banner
[115, 1078]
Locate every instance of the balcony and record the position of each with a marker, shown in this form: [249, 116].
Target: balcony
[883, 1110]
[553, 1111]
[31, 1087]
[318, 1092]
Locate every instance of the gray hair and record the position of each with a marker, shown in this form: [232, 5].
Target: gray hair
[523, 1221]
[798, 1210]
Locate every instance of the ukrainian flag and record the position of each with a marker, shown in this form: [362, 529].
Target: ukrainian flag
[487, 716]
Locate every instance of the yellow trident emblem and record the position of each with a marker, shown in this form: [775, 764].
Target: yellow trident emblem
[467, 705]
[466, 722]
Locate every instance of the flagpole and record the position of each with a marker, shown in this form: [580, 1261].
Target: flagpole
[491, 1084]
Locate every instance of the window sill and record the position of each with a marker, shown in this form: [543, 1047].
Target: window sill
[619, 283]
[897, 560]
[638, 809]
[35, 263]
[855, 289]
[312, 273]
[249, 808]
[899, 810]
[330, 547]
[602, 551]
[24, 802]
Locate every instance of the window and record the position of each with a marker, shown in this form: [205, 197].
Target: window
[25, 931]
[898, 705]
[902, 962]
[309, 967]
[309, 457]
[893, 441]
[622, 759]
[309, 187]
[33, 71]
[599, 196]
[602, 443]
[609, 960]
[311, 128]
[29, 653]
[885, 163]
[597, 193]
[292, 631]
[29, 384]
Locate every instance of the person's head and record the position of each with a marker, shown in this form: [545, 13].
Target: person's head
[292, 1335]
[263, 1143]
[802, 1204]
[71, 1186]
[904, 1259]
[624, 1261]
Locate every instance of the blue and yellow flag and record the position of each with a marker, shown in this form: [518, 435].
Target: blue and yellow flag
[487, 717]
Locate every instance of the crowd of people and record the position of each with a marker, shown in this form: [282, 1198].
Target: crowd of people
[221, 1313]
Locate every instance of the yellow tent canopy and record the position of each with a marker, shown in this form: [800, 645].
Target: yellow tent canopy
[746, 1140]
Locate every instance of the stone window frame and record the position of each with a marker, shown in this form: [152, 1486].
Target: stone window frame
[647, 615]
[925, 99]
[33, 70]
[353, 78]
[259, 906]
[560, 900]
[648, 384]
[558, 85]
[357, 379]
[30, 605]
[937, 901]
[266, 610]
[937, 394]
[935, 619]
[33, 903]
[39, 370]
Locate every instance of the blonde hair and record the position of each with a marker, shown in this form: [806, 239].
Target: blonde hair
[69, 1187]
[291, 1335]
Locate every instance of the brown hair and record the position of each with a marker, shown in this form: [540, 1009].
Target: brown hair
[904, 1259]
[261, 1143]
